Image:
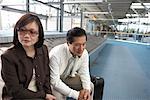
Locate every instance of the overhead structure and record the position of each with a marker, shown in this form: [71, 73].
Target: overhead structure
[96, 10]
[117, 8]
[102, 10]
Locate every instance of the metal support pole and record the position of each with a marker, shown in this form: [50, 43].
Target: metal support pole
[27, 6]
[61, 15]
[46, 23]
[81, 22]
[57, 23]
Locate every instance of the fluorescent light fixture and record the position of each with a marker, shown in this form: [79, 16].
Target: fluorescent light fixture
[132, 15]
[96, 12]
[139, 6]
[84, 1]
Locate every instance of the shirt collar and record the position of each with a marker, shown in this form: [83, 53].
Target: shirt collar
[70, 54]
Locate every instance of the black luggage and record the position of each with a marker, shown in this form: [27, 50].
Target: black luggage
[98, 87]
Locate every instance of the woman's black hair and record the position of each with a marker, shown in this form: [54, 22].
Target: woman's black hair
[23, 21]
[75, 32]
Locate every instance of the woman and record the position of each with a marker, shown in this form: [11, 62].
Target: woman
[25, 68]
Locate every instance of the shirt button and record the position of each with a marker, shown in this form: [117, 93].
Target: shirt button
[38, 75]
[35, 66]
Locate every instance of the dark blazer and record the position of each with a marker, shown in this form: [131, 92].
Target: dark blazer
[17, 71]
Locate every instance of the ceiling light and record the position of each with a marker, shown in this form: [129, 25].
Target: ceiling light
[139, 5]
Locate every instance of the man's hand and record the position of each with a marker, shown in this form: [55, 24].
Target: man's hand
[81, 95]
[84, 94]
[50, 97]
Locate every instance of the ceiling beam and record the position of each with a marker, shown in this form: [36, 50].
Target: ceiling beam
[17, 4]
[22, 11]
[48, 4]
[96, 12]
[52, 3]
[84, 2]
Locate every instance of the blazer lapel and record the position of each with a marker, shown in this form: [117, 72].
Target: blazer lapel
[26, 65]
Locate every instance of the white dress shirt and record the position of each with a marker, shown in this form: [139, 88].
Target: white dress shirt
[59, 57]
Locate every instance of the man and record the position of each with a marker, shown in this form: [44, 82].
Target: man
[69, 66]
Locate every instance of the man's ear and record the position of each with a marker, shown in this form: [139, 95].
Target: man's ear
[68, 43]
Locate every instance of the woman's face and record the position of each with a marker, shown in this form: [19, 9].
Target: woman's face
[28, 35]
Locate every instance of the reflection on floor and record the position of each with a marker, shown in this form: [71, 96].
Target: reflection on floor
[126, 70]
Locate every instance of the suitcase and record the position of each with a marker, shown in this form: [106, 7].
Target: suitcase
[98, 87]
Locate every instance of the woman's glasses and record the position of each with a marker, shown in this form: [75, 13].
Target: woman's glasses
[30, 32]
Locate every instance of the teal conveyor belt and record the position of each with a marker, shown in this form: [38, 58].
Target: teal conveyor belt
[126, 70]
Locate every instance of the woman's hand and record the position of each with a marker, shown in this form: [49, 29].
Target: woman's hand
[50, 97]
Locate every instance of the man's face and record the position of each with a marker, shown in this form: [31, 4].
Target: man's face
[77, 47]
